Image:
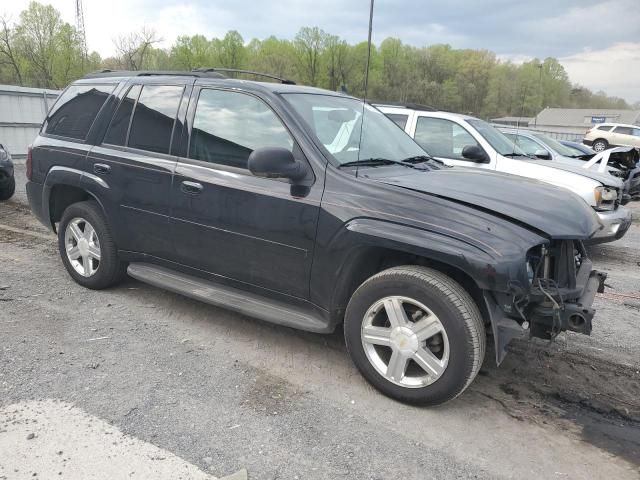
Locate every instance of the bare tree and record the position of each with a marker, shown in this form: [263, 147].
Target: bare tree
[8, 54]
[134, 47]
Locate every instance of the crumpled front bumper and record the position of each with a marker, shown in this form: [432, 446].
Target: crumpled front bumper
[550, 318]
[549, 309]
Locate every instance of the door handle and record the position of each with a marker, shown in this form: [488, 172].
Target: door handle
[192, 188]
[101, 169]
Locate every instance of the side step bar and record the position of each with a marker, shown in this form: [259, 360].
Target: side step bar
[247, 303]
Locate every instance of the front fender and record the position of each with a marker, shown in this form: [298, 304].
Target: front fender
[470, 258]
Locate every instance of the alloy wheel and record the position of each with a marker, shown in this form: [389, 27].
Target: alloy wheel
[82, 246]
[405, 342]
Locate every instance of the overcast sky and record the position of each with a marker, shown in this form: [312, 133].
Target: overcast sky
[598, 41]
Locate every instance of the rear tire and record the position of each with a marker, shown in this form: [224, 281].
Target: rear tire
[430, 358]
[600, 145]
[87, 248]
[7, 191]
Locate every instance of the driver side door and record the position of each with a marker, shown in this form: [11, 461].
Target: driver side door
[228, 224]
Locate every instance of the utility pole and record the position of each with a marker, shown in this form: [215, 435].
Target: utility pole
[80, 29]
[535, 119]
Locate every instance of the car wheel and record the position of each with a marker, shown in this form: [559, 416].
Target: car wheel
[7, 191]
[415, 334]
[87, 247]
[600, 145]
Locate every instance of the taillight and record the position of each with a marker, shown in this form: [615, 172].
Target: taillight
[29, 164]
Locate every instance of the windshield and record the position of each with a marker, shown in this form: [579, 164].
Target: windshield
[336, 123]
[556, 146]
[496, 138]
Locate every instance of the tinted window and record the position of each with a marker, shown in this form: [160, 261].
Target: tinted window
[603, 127]
[442, 138]
[399, 119]
[228, 126]
[623, 130]
[76, 109]
[117, 134]
[153, 120]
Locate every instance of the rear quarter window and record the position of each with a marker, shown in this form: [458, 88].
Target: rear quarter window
[76, 109]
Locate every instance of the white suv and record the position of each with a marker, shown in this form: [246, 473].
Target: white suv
[607, 135]
[462, 140]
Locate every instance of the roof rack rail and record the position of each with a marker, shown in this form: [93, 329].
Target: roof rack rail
[412, 106]
[151, 73]
[247, 72]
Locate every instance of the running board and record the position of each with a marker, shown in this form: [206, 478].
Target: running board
[247, 303]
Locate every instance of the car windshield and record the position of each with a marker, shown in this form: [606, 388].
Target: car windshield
[336, 122]
[496, 138]
[556, 145]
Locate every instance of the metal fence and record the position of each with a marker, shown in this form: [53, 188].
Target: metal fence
[22, 111]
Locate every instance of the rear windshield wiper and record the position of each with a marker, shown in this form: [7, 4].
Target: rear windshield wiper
[374, 162]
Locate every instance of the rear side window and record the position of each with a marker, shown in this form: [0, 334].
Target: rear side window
[154, 117]
[76, 109]
[399, 119]
[117, 134]
[623, 130]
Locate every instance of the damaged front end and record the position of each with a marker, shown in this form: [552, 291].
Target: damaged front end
[556, 296]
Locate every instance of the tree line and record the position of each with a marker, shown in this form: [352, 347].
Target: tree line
[39, 49]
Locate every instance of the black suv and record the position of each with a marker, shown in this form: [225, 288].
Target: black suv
[270, 199]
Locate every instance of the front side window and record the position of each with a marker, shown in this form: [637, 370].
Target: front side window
[443, 138]
[555, 145]
[527, 145]
[76, 109]
[336, 122]
[155, 113]
[228, 126]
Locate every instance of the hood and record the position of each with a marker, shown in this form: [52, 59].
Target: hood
[554, 211]
[577, 166]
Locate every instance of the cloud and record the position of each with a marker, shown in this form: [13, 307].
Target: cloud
[613, 69]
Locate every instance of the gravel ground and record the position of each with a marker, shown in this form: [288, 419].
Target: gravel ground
[222, 391]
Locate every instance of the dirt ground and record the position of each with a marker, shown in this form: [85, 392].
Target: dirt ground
[222, 391]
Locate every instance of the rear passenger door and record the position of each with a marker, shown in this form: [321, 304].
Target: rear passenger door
[135, 160]
[226, 222]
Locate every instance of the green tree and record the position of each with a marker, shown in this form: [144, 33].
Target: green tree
[310, 44]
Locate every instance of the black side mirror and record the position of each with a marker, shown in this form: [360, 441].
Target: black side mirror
[475, 153]
[276, 162]
[543, 154]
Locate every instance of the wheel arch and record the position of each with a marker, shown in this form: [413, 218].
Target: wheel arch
[66, 186]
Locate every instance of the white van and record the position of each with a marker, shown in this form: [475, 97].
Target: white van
[462, 140]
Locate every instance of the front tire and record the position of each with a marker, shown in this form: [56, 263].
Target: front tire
[7, 191]
[415, 334]
[600, 145]
[87, 248]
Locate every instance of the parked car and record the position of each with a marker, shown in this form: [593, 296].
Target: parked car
[463, 140]
[7, 179]
[541, 146]
[249, 196]
[607, 135]
[580, 150]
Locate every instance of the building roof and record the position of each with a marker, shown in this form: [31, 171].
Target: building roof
[580, 117]
[513, 119]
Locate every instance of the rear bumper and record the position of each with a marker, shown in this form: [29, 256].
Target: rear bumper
[615, 225]
[34, 195]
